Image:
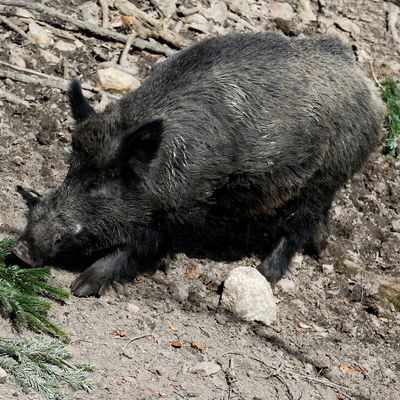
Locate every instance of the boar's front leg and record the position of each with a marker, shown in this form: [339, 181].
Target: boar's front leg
[98, 276]
[141, 255]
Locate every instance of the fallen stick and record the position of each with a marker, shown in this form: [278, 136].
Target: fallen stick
[49, 81]
[12, 98]
[104, 13]
[29, 71]
[18, 76]
[86, 26]
[124, 55]
[286, 371]
[14, 27]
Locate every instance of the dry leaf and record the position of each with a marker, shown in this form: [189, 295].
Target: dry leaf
[191, 271]
[176, 343]
[200, 346]
[351, 370]
[128, 22]
[120, 333]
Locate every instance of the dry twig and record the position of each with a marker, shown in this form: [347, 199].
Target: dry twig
[86, 26]
[371, 68]
[123, 59]
[14, 27]
[104, 13]
[12, 98]
[324, 382]
[133, 340]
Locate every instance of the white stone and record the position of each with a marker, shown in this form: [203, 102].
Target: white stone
[115, 79]
[286, 285]
[281, 10]
[132, 308]
[41, 36]
[305, 12]
[396, 225]
[207, 368]
[65, 46]
[249, 295]
[49, 56]
[327, 268]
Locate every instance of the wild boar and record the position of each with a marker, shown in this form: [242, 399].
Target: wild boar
[251, 122]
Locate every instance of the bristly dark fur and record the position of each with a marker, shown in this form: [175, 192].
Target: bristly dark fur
[245, 122]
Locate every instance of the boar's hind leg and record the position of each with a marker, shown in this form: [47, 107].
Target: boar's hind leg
[305, 220]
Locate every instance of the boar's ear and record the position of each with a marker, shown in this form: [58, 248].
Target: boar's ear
[81, 109]
[31, 197]
[140, 146]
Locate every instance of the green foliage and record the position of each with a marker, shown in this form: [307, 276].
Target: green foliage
[391, 96]
[22, 292]
[42, 365]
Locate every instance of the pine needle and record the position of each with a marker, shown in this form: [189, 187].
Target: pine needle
[23, 294]
[43, 365]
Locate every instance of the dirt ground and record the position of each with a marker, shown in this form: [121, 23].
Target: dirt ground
[337, 335]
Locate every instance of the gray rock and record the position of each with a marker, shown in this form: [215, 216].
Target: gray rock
[3, 376]
[167, 7]
[348, 26]
[249, 295]
[16, 59]
[207, 368]
[90, 12]
[396, 225]
[279, 10]
[65, 46]
[40, 35]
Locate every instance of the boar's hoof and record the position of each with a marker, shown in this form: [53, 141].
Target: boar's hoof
[88, 283]
[271, 271]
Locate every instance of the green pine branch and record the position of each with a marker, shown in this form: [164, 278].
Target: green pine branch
[43, 365]
[23, 294]
[391, 96]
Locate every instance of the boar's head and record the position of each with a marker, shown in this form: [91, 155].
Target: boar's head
[102, 201]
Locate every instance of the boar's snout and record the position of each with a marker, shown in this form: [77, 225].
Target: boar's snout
[24, 252]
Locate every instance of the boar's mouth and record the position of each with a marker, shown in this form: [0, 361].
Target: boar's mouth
[21, 250]
[70, 260]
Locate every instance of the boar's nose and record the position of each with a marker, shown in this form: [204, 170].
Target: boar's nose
[22, 251]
